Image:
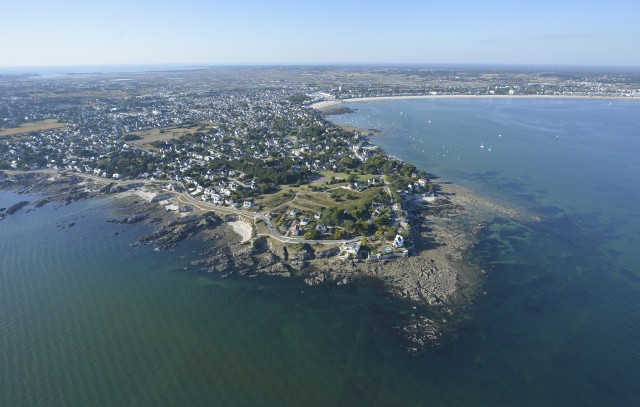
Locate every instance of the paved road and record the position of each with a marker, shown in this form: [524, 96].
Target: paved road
[273, 232]
[186, 198]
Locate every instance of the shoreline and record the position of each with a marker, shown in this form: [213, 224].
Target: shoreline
[437, 277]
[437, 287]
[328, 105]
[376, 98]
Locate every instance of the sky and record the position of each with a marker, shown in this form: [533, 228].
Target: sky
[130, 32]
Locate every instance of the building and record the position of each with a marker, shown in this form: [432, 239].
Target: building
[398, 241]
[351, 247]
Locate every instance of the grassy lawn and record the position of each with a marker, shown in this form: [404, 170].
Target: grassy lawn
[271, 201]
[326, 176]
[358, 198]
[261, 228]
[305, 206]
[316, 202]
[309, 198]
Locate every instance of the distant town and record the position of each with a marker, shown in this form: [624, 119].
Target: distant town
[247, 140]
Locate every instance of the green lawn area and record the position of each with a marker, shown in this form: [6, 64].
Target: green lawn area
[323, 200]
[316, 201]
[360, 198]
[326, 176]
[270, 201]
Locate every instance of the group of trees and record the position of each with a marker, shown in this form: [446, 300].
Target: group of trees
[358, 219]
[128, 163]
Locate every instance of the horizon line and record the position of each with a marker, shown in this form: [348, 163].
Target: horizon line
[256, 64]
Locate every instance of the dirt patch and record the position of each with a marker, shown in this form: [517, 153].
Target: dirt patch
[145, 138]
[26, 128]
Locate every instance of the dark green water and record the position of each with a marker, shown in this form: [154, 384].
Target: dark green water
[86, 319]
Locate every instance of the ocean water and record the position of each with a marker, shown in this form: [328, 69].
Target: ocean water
[88, 319]
[560, 324]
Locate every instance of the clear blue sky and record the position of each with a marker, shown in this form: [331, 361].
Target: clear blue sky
[84, 32]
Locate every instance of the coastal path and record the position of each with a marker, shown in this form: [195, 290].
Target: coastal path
[273, 232]
[205, 206]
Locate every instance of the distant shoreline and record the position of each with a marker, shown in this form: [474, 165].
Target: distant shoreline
[332, 104]
[375, 98]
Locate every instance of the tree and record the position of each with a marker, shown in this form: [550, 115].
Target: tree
[391, 233]
[408, 169]
[339, 234]
[332, 216]
[312, 234]
[361, 227]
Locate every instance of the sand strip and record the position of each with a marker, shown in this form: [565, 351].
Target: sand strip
[242, 228]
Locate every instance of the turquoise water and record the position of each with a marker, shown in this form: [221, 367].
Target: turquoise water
[87, 319]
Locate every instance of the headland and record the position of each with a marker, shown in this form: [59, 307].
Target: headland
[255, 170]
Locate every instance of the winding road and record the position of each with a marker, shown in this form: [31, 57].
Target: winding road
[273, 232]
[205, 206]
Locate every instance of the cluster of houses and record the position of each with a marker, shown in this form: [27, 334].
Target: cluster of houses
[396, 249]
[93, 144]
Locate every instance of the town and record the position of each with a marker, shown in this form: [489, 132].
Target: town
[264, 153]
[247, 140]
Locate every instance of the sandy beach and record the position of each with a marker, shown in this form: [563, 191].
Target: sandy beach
[242, 228]
[330, 105]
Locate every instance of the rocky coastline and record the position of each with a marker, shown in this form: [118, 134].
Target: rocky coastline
[436, 281]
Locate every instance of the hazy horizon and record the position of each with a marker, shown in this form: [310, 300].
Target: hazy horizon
[139, 68]
[247, 32]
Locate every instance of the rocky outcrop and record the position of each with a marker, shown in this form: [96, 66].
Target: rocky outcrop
[134, 219]
[16, 207]
[442, 232]
[323, 254]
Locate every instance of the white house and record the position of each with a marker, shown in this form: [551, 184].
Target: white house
[351, 247]
[398, 241]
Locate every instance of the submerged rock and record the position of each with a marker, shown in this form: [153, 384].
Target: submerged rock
[16, 207]
[134, 219]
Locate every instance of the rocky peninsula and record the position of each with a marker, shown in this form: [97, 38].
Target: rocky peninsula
[437, 280]
[256, 171]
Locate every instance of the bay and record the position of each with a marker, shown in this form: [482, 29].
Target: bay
[88, 319]
[560, 321]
